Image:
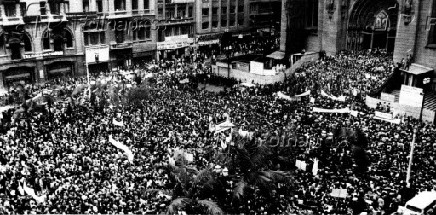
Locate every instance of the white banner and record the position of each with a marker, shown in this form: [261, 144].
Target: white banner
[117, 123]
[223, 126]
[340, 98]
[123, 147]
[175, 43]
[382, 115]
[94, 54]
[339, 193]
[301, 165]
[31, 192]
[411, 96]
[322, 110]
[394, 121]
[289, 98]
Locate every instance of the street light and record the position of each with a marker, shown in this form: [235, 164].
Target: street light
[228, 54]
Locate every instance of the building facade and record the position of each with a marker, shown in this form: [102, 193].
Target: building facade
[174, 28]
[402, 27]
[240, 17]
[37, 42]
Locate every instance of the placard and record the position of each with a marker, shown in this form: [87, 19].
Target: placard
[387, 97]
[384, 115]
[411, 96]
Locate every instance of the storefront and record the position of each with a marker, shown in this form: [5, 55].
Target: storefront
[143, 53]
[121, 58]
[175, 47]
[60, 69]
[97, 68]
[209, 44]
[17, 75]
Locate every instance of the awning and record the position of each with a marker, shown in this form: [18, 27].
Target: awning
[277, 55]
[417, 69]
[22, 75]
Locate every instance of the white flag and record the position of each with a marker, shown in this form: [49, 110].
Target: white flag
[31, 192]
[315, 167]
[123, 147]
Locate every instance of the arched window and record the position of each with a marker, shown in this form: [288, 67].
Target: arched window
[68, 38]
[46, 40]
[27, 43]
[2, 45]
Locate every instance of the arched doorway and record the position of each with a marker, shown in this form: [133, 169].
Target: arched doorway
[373, 24]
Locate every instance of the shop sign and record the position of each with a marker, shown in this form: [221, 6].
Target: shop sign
[97, 54]
[40, 55]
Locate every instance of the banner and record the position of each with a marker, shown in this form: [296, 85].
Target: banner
[339, 193]
[117, 123]
[123, 147]
[382, 115]
[301, 165]
[223, 126]
[340, 98]
[304, 94]
[322, 110]
[315, 167]
[394, 121]
[285, 97]
[31, 192]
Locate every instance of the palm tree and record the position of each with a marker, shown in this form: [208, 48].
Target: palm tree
[253, 165]
[194, 190]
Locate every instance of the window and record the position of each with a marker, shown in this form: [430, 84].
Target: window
[68, 38]
[55, 7]
[214, 24]
[223, 22]
[46, 41]
[27, 43]
[161, 35]
[241, 8]
[190, 8]
[184, 30]
[232, 22]
[85, 5]
[215, 11]
[311, 14]
[99, 6]
[2, 45]
[142, 33]
[119, 36]
[146, 4]
[43, 8]
[23, 8]
[134, 4]
[10, 10]
[232, 9]
[223, 10]
[120, 5]
[205, 25]
[15, 51]
[240, 22]
[205, 12]
[94, 38]
[431, 42]
[160, 12]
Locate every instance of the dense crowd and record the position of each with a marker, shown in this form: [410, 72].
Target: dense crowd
[63, 151]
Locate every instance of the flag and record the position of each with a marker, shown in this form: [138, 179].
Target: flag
[315, 167]
[31, 192]
[123, 147]
[117, 123]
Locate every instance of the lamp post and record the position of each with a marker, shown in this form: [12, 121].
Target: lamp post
[228, 54]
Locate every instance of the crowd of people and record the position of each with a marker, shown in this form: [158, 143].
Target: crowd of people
[64, 152]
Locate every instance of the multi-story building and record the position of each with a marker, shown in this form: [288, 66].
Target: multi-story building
[115, 33]
[174, 27]
[240, 17]
[36, 42]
